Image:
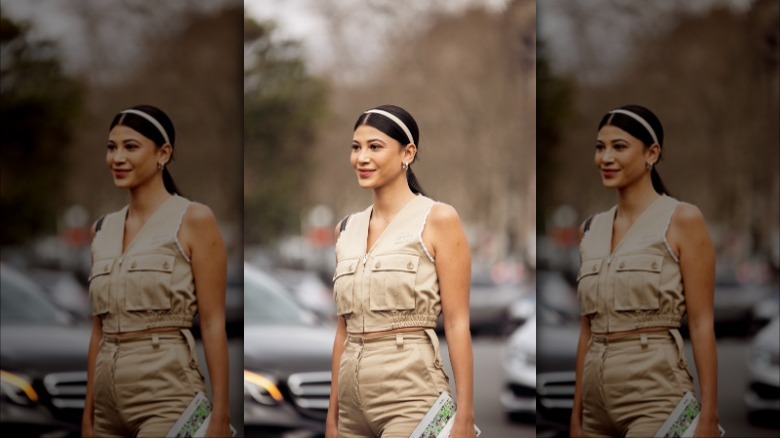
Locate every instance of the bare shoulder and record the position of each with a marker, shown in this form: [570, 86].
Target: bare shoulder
[198, 215]
[687, 216]
[443, 216]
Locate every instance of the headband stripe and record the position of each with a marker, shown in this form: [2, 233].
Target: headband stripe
[396, 120]
[151, 120]
[639, 119]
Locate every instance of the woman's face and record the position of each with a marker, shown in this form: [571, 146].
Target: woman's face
[377, 158]
[622, 158]
[132, 158]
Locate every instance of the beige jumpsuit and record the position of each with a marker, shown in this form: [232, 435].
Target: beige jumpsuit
[632, 383]
[387, 384]
[143, 383]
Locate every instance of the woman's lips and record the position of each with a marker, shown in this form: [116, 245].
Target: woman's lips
[608, 173]
[364, 173]
[120, 173]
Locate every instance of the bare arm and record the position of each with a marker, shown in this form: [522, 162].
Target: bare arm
[582, 348]
[201, 236]
[575, 429]
[688, 235]
[332, 422]
[453, 268]
[87, 421]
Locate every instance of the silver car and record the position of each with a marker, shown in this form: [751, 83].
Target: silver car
[763, 392]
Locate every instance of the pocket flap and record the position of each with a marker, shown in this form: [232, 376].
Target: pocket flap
[589, 267]
[344, 267]
[151, 262]
[396, 262]
[640, 262]
[101, 267]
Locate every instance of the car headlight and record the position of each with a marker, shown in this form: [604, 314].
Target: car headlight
[517, 358]
[261, 388]
[17, 388]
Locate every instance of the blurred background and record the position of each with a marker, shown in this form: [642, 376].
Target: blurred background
[709, 70]
[67, 68]
[466, 70]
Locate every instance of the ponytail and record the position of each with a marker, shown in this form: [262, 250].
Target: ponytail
[414, 185]
[170, 186]
[658, 185]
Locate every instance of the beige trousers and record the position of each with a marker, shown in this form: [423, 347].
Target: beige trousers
[144, 383]
[630, 385]
[387, 384]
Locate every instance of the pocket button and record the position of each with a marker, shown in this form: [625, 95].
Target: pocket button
[622, 265]
[409, 266]
[378, 265]
[133, 265]
[654, 265]
[165, 265]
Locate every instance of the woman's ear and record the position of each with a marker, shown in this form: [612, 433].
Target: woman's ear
[165, 151]
[410, 153]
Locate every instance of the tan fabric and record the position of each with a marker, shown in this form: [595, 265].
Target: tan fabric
[143, 384]
[151, 284]
[630, 385]
[394, 283]
[639, 285]
[388, 383]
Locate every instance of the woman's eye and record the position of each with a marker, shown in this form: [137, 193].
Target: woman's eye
[375, 146]
[111, 147]
[599, 147]
[355, 147]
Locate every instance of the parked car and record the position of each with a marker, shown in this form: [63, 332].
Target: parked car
[287, 367]
[519, 395]
[763, 392]
[43, 359]
[558, 332]
[309, 290]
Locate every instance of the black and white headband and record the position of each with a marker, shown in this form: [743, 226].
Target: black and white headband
[151, 120]
[639, 119]
[395, 120]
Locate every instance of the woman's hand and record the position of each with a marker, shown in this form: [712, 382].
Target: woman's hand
[463, 427]
[331, 427]
[707, 427]
[575, 426]
[86, 427]
[219, 429]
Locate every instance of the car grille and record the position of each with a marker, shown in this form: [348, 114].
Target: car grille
[769, 392]
[555, 390]
[522, 391]
[311, 393]
[66, 393]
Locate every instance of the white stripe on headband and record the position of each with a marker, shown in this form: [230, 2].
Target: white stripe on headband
[151, 120]
[396, 120]
[640, 120]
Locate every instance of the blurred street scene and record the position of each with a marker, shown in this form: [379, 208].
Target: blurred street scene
[709, 70]
[466, 71]
[67, 68]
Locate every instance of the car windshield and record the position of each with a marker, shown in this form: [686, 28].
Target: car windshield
[21, 302]
[267, 302]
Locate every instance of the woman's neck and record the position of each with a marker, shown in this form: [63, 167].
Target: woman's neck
[388, 200]
[146, 198]
[635, 198]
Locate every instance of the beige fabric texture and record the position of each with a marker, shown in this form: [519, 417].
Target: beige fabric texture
[387, 384]
[143, 384]
[151, 284]
[393, 284]
[630, 385]
[639, 285]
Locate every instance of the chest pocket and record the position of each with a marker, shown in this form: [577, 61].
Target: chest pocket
[344, 286]
[588, 286]
[637, 279]
[393, 277]
[100, 286]
[149, 282]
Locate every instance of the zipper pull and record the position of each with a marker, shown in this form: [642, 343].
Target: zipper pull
[365, 258]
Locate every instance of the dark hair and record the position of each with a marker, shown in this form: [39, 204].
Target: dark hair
[636, 129]
[148, 130]
[395, 132]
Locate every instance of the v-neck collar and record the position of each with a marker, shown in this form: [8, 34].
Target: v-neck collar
[612, 217]
[140, 232]
[384, 232]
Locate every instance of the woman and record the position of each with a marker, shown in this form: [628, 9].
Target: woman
[644, 263]
[149, 261]
[400, 263]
